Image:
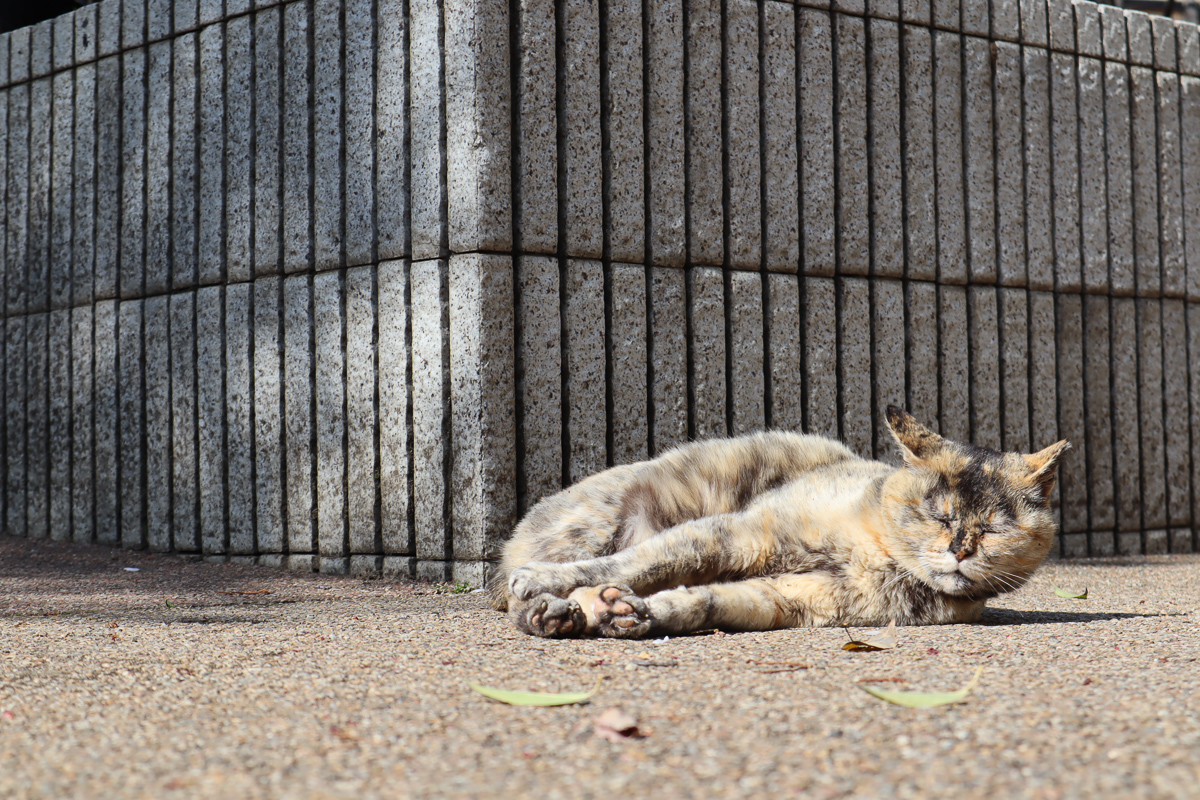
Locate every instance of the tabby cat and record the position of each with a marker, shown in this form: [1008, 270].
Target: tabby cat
[778, 530]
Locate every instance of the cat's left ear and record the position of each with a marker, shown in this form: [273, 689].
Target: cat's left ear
[917, 443]
[1043, 467]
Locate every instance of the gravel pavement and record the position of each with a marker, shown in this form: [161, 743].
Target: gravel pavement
[196, 680]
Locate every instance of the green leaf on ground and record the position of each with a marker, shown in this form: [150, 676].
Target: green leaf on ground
[884, 640]
[1067, 593]
[545, 699]
[922, 699]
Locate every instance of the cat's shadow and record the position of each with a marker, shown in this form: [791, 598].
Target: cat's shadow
[1008, 616]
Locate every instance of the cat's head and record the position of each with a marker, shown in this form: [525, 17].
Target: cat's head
[969, 521]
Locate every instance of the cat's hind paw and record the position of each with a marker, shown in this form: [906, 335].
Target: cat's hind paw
[551, 617]
[621, 614]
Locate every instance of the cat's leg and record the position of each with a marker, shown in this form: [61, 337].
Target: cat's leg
[588, 611]
[700, 551]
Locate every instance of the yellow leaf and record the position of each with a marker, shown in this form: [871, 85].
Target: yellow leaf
[922, 699]
[545, 699]
[880, 641]
[1067, 593]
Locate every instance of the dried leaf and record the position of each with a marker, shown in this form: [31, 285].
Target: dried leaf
[880, 641]
[256, 591]
[922, 699]
[617, 726]
[545, 699]
[1067, 593]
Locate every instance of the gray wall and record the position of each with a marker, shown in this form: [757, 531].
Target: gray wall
[349, 284]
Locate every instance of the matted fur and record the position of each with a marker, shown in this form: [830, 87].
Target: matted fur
[777, 530]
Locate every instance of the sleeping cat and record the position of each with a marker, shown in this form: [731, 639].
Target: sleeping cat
[778, 530]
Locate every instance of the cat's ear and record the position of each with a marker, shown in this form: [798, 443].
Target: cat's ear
[917, 443]
[1043, 467]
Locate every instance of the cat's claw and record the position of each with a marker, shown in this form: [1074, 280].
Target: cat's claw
[621, 614]
[533, 579]
[552, 617]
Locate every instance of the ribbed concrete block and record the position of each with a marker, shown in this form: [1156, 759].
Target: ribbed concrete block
[1034, 23]
[786, 353]
[158, 168]
[820, 356]
[431, 405]
[583, 325]
[854, 364]
[539, 376]
[333, 565]
[920, 195]
[17, 201]
[483, 425]
[330, 389]
[269, 470]
[1193, 340]
[581, 152]
[742, 123]
[5, 50]
[268, 166]
[850, 120]
[297, 248]
[782, 233]
[1154, 542]
[184, 164]
[300, 563]
[158, 423]
[626, 133]
[398, 567]
[41, 47]
[210, 11]
[707, 310]
[1069, 346]
[955, 363]
[1165, 43]
[1143, 120]
[133, 23]
[211, 194]
[946, 14]
[37, 259]
[627, 362]
[1120, 185]
[1093, 181]
[18, 50]
[158, 19]
[948, 116]
[856, 7]
[668, 358]
[537, 160]
[298, 413]
[85, 34]
[328, 124]
[186, 14]
[1114, 36]
[478, 135]
[1043, 380]
[1088, 36]
[1189, 104]
[1039, 237]
[239, 119]
[887, 357]
[184, 475]
[1006, 20]
[1175, 413]
[105, 338]
[987, 427]
[59, 445]
[1153, 495]
[239, 415]
[37, 427]
[1014, 370]
[63, 144]
[1099, 420]
[361, 466]
[432, 571]
[1010, 167]
[910, 11]
[1065, 194]
[1188, 47]
[83, 522]
[1170, 186]
[15, 425]
[1181, 540]
[1061, 14]
[391, 128]
[366, 566]
[360, 131]
[1140, 37]
[816, 143]
[83, 176]
[210, 408]
[706, 244]
[748, 358]
[921, 351]
[887, 189]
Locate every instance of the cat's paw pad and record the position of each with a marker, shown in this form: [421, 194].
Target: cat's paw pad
[621, 614]
[533, 579]
[552, 617]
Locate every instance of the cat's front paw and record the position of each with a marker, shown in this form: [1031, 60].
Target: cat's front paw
[552, 617]
[537, 578]
[621, 614]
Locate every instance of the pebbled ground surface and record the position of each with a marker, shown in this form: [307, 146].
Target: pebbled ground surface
[197, 680]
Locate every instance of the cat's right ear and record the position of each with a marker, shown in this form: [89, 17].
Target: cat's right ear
[917, 443]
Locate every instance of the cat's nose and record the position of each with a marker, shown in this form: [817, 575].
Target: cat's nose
[961, 555]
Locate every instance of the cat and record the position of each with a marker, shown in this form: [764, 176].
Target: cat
[777, 530]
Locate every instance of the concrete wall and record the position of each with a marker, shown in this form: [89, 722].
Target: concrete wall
[349, 284]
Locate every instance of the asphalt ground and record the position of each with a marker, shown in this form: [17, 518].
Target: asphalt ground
[198, 680]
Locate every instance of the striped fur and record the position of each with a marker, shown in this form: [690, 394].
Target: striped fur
[777, 530]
